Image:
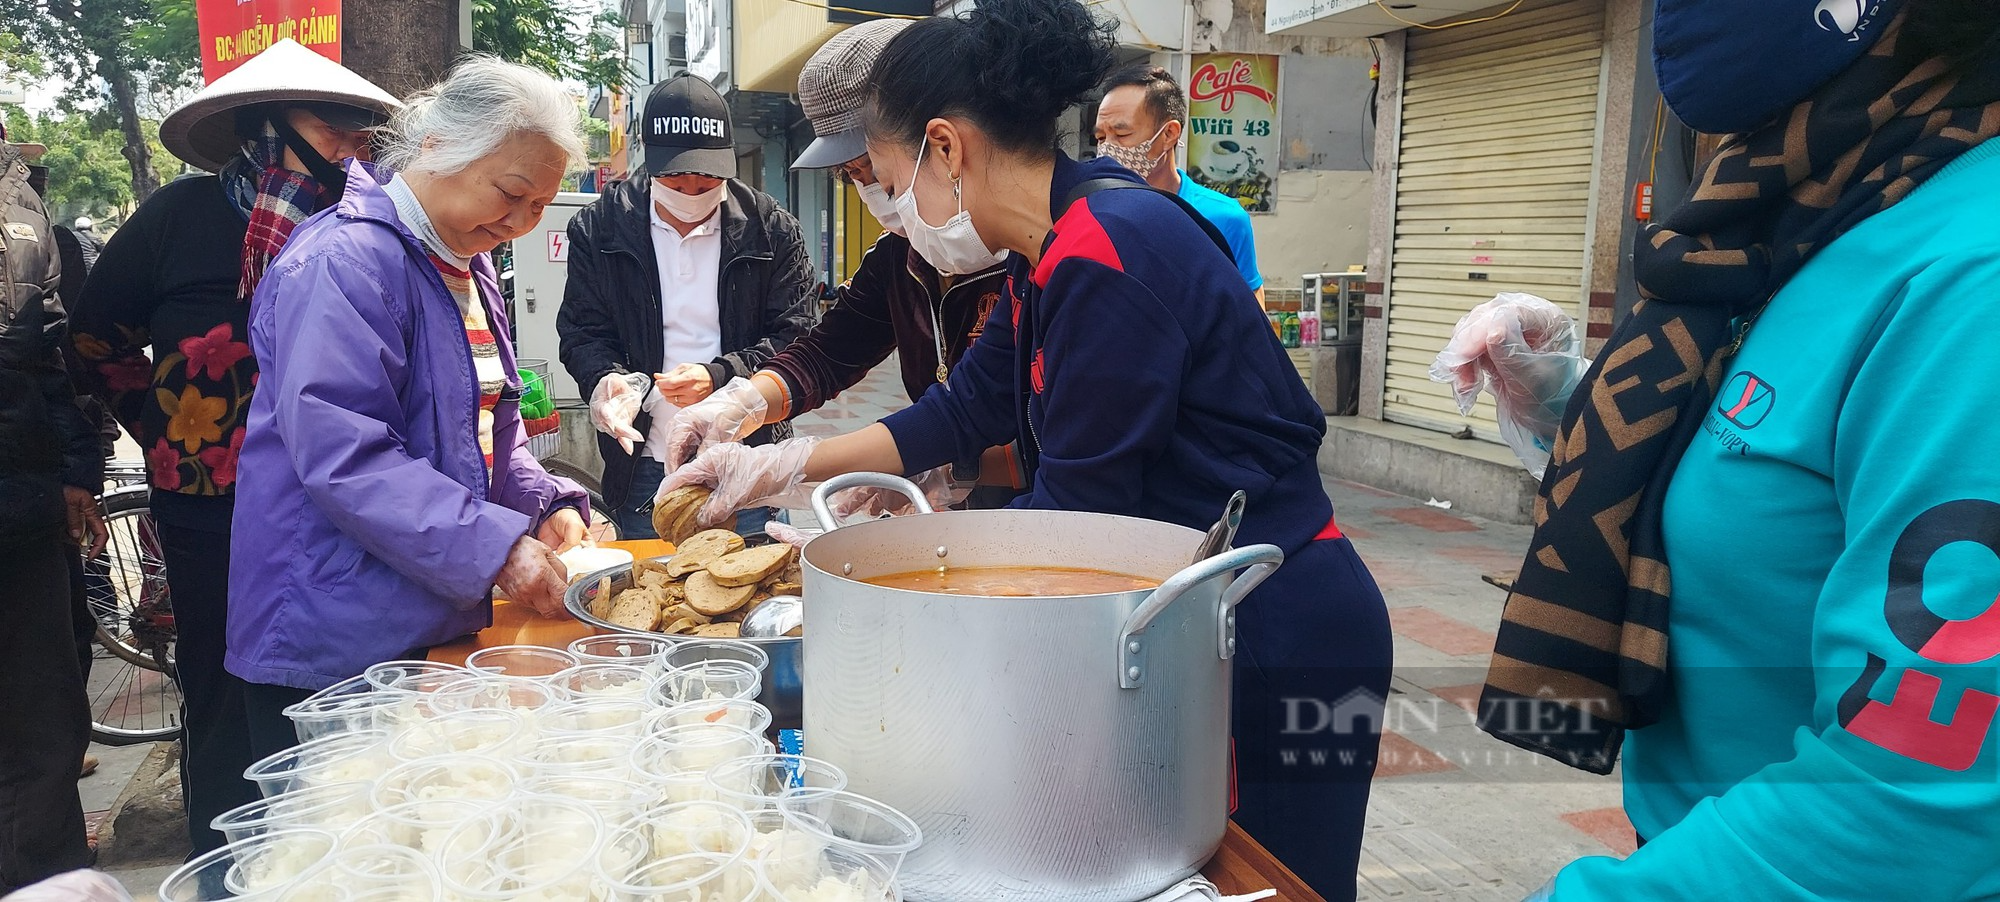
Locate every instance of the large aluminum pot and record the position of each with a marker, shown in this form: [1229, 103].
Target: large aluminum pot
[1070, 749]
[781, 692]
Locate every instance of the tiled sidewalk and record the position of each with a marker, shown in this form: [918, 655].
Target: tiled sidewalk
[1457, 814]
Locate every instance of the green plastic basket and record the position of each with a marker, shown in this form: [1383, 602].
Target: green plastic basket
[535, 403]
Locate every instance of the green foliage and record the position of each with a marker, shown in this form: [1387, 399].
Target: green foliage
[78, 39]
[112, 50]
[597, 135]
[17, 61]
[88, 175]
[168, 38]
[544, 34]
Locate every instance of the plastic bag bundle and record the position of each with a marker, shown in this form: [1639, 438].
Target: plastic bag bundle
[75, 886]
[1526, 351]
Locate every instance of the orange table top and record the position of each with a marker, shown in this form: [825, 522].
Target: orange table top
[1240, 866]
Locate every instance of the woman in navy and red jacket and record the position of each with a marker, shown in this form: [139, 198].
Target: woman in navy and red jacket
[1140, 377]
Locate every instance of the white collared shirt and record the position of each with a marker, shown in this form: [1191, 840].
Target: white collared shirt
[690, 314]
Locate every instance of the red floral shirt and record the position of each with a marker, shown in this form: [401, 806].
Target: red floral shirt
[163, 338]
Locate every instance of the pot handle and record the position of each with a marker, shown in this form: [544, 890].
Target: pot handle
[1262, 561]
[824, 494]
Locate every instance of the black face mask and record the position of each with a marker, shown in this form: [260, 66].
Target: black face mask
[330, 177]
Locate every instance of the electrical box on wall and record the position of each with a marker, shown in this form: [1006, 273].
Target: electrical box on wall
[1642, 202]
[541, 268]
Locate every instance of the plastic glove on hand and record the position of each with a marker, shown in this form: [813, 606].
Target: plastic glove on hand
[729, 415]
[1518, 345]
[873, 503]
[685, 384]
[1525, 350]
[780, 531]
[739, 476]
[534, 576]
[614, 404]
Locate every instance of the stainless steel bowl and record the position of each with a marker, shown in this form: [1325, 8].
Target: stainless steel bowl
[783, 691]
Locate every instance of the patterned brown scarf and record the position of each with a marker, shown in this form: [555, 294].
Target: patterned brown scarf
[1582, 650]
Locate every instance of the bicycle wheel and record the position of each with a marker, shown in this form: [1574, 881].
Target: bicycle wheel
[130, 704]
[601, 528]
[126, 584]
[133, 695]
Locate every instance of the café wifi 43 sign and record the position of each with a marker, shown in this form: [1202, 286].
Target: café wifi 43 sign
[233, 31]
[1233, 126]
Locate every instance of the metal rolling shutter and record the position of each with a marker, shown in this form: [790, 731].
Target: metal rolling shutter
[1493, 177]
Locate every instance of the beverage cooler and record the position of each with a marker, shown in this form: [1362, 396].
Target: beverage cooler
[1320, 327]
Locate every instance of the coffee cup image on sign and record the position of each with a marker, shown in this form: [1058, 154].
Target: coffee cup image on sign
[1228, 160]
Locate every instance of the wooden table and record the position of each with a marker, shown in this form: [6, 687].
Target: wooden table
[1240, 866]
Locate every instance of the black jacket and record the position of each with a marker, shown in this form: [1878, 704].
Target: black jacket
[166, 284]
[45, 442]
[610, 317]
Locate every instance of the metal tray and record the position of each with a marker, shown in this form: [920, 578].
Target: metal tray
[783, 691]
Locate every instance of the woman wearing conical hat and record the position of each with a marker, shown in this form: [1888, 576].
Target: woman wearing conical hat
[161, 328]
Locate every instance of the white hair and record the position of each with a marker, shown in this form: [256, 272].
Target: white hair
[483, 103]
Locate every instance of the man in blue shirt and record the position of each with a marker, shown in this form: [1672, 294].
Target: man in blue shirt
[1139, 124]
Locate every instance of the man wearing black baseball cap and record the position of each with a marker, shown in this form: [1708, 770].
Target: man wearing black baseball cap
[678, 283]
[896, 302]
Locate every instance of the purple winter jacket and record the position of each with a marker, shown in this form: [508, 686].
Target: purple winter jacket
[365, 525]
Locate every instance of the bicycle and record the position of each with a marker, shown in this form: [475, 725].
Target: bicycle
[138, 698]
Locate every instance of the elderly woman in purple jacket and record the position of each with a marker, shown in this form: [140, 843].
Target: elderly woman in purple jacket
[385, 487]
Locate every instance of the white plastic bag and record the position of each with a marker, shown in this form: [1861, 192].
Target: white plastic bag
[1525, 350]
[75, 886]
[1199, 889]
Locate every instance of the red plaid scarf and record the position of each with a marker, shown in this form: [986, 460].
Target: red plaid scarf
[276, 200]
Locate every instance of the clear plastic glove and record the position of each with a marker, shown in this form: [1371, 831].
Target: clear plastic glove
[874, 504]
[729, 415]
[741, 476]
[1525, 350]
[534, 576]
[780, 531]
[684, 385]
[614, 404]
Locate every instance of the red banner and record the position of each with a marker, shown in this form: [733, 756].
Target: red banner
[233, 31]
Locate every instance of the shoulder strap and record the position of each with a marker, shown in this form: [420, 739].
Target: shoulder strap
[1091, 186]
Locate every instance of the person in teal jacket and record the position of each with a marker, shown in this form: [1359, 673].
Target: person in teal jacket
[1833, 522]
